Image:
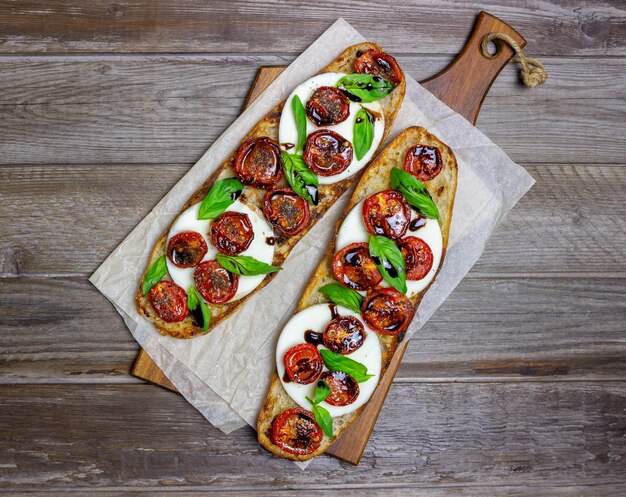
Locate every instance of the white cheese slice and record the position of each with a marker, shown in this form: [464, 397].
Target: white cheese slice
[316, 318]
[259, 248]
[353, 230]
[288, 133]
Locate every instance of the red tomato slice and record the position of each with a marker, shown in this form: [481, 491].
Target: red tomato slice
[327, 106]
[417, 255]
[379, 63]
[296, 431]
[258, 164]
[423, 162]
[354, 268]
[387, 311]
[344, 388]
[286, 210]
[215, 284]
[327, 153]
[344, 335]
[386, 213]
[186, 249]
[169, 301]
[231, 233]
[303, 363]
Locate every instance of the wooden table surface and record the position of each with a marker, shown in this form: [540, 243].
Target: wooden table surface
[517, 384]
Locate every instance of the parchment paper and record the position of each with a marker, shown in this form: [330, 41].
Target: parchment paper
[226, 373]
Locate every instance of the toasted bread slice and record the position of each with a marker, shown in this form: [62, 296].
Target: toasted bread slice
[375, 179]
[328, 194]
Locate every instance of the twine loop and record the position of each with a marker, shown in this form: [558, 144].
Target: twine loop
[533, 72]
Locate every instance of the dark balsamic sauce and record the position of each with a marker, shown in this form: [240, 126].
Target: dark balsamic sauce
[313, 337]
[312, 190]
[286, 378]
[287, 146]
[270, 240]
[417, 223]
[235, 195]
[386, 265]
[333, 311]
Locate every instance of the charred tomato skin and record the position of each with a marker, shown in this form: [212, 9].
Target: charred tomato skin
[214, 283]
[295, 431]
[379, 63]
[186, 249]
[423, 162]
[386, 213]
[354, 267]
[257, 163]
[288, 213]
[169, 301]
[387, 311]
[344, 388]
[303, 363]
[417, 255]
[327, 153]
[327, 106]
[231, 233]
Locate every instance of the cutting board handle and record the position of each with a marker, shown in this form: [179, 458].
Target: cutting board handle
[464, 84]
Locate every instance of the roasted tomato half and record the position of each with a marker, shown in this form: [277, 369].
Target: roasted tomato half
[386, 213]
[379, 63]
[344, 335]
[257, 163]
[327, 106]
[186, 249]
[303, 363]
[296, 431]
[387, 311]
[231, 233]
[327, 153]
[354, 267]
[423, 162]
[344, 389]
[215, 284]
[287, 211]
[418, 257]
[169, 301]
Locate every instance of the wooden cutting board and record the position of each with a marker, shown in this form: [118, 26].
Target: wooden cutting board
[463, 86]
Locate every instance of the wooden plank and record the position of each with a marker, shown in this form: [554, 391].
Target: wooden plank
[175, 130]
[573, 221]
[533, 435]
[523, 329]
[56, 26]
[113, 79]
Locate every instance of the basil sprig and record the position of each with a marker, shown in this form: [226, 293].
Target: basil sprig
[155, 273]
[322, 416]
[245, 265]
[338, 362]
[414, 191]
[364, 87]
[299, 114]
[363, 132]
[303, 181]
[343, 296]
[221, 195]
[389, 261]
[194, 300]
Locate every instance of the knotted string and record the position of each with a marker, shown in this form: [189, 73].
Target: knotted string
[533, 72]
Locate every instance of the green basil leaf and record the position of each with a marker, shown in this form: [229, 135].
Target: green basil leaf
[414, 191]
[364, 87]
[341, 295]
[245, 265]
[338, 362]
[363, 133]
[322, 391]
[303, 181]
[193, 301]
[389, 261]
[300, 116]
[155, 273]
[323, 418]
[220, 197]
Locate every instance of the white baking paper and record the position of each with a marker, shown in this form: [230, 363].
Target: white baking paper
[226, 373]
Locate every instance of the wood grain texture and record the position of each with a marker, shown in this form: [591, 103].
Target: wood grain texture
[53, 26]
[471, 376]
[584, 231]
[512, 329]
[532, 434]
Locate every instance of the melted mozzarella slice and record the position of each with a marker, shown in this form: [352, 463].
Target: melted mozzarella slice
[259, 248]
[288, 133]
[316, 318]
[353, 230]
